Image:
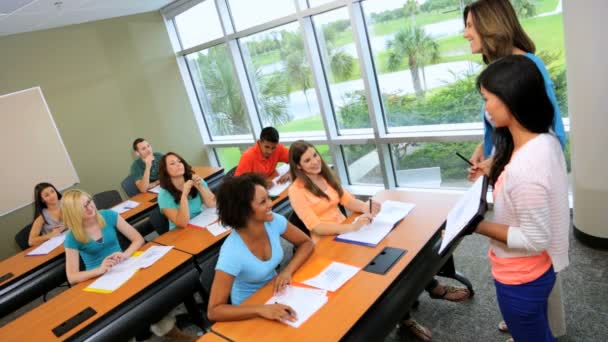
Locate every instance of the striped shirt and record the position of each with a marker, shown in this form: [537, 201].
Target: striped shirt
[533, 201]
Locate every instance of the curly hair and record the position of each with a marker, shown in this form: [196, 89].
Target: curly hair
[234, 199]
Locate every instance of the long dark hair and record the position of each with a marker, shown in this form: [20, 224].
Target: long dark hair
[498, 27]
[165, 179]
[38, 202]
[296, 150]
[518, 83]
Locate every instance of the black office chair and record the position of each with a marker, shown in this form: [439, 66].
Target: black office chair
[107, 199]
[206, 281]
[159, 221]
[128, 185]
[230, 172]
[296, 221]
[23, 236]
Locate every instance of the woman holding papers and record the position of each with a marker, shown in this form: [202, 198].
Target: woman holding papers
[493, 30]
[47, 214]
[316, 194]
[93, 237]
[529, 234]
[183, 194]
[252, 252]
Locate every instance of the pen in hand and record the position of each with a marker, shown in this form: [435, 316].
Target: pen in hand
[465, 159]
[370, 210]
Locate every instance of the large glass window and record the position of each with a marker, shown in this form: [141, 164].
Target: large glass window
[341, 65]
[198, 24]
[281, 79]
[431, 164]
[218, 92]
[248, 13]
[228, 157]
[363, 164]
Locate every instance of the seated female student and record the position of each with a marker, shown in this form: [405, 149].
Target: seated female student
[183, 194]
[92, 236]
[251, 253]
[47, 214]
[529, 232]
[316, 193]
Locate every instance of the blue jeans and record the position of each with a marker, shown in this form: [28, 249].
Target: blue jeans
[524, 308]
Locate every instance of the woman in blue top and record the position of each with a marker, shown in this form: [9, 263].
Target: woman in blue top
[251, 253]
[92, 236]
[183, 193]
[492, 29]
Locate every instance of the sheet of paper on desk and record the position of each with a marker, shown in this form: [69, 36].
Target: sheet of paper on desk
[371, 234]
[217, 228]
[205, 218]
[305, 302]
[333, 276]
[466, 208]
[277, 188]
[111, 280]
[48, 246]
[125, 206]
[151, 255]
[155, 189]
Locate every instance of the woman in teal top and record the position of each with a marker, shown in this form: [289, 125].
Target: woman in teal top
[492, 28]
[183, 194]
[252, 252]
[92, 236]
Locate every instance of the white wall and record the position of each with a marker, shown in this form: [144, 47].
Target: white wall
[585, 27]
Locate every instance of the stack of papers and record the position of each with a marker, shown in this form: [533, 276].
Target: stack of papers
[155, 189]
[277, 188]
[217, 228]
[462, 213]
[305, 302]
[332, 277]
[124, 206]
[47, 246]
[205, 218]
[119, 274]
[371, 234]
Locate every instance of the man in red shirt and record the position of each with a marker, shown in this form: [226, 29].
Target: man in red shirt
[264, 156]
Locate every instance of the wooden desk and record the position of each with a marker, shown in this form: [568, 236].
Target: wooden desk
[192, 240]
[212, 337]
[113, 310]
[147, 201]
[350, 303]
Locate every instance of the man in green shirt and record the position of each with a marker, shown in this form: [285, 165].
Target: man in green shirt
[145, 169]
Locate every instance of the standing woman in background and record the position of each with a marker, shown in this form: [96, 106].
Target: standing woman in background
[529, 232]
[183, 194]
[47, 214]
[492, 29]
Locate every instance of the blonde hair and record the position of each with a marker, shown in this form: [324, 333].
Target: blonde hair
[72, 211]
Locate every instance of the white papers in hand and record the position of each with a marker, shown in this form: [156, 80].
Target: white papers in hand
[155, 189]
[205, 218]
[466, 208]
[125, 206]
[47, 246]
[305, 302]
[217, 228]
[333, 276]
[371, 234]
[278, 188]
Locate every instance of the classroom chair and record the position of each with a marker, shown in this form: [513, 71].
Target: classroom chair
[22, 237]
[107, 199]
[159, 221]
[128, 185]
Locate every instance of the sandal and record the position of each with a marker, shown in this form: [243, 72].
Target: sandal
[449, 291]
[502, 327]
[419, 331]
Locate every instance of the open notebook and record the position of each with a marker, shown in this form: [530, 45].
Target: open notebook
[305, 302]
[371, 234]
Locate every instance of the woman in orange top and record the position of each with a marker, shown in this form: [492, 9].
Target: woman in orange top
[316, 193]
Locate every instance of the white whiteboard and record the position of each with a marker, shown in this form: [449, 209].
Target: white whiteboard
[31, 150]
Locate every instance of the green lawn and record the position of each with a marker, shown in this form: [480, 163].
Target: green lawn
[392, 26]
[311, 123]
[229, 157]
[543, 6]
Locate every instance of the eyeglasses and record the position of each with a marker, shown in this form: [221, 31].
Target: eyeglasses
[88, 202]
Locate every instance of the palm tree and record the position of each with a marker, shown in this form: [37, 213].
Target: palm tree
[220, 94]
[524, 8]
[293, 55]
[419, 48]
[341, 63]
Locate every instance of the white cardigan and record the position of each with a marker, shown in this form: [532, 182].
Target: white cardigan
[533, 202]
